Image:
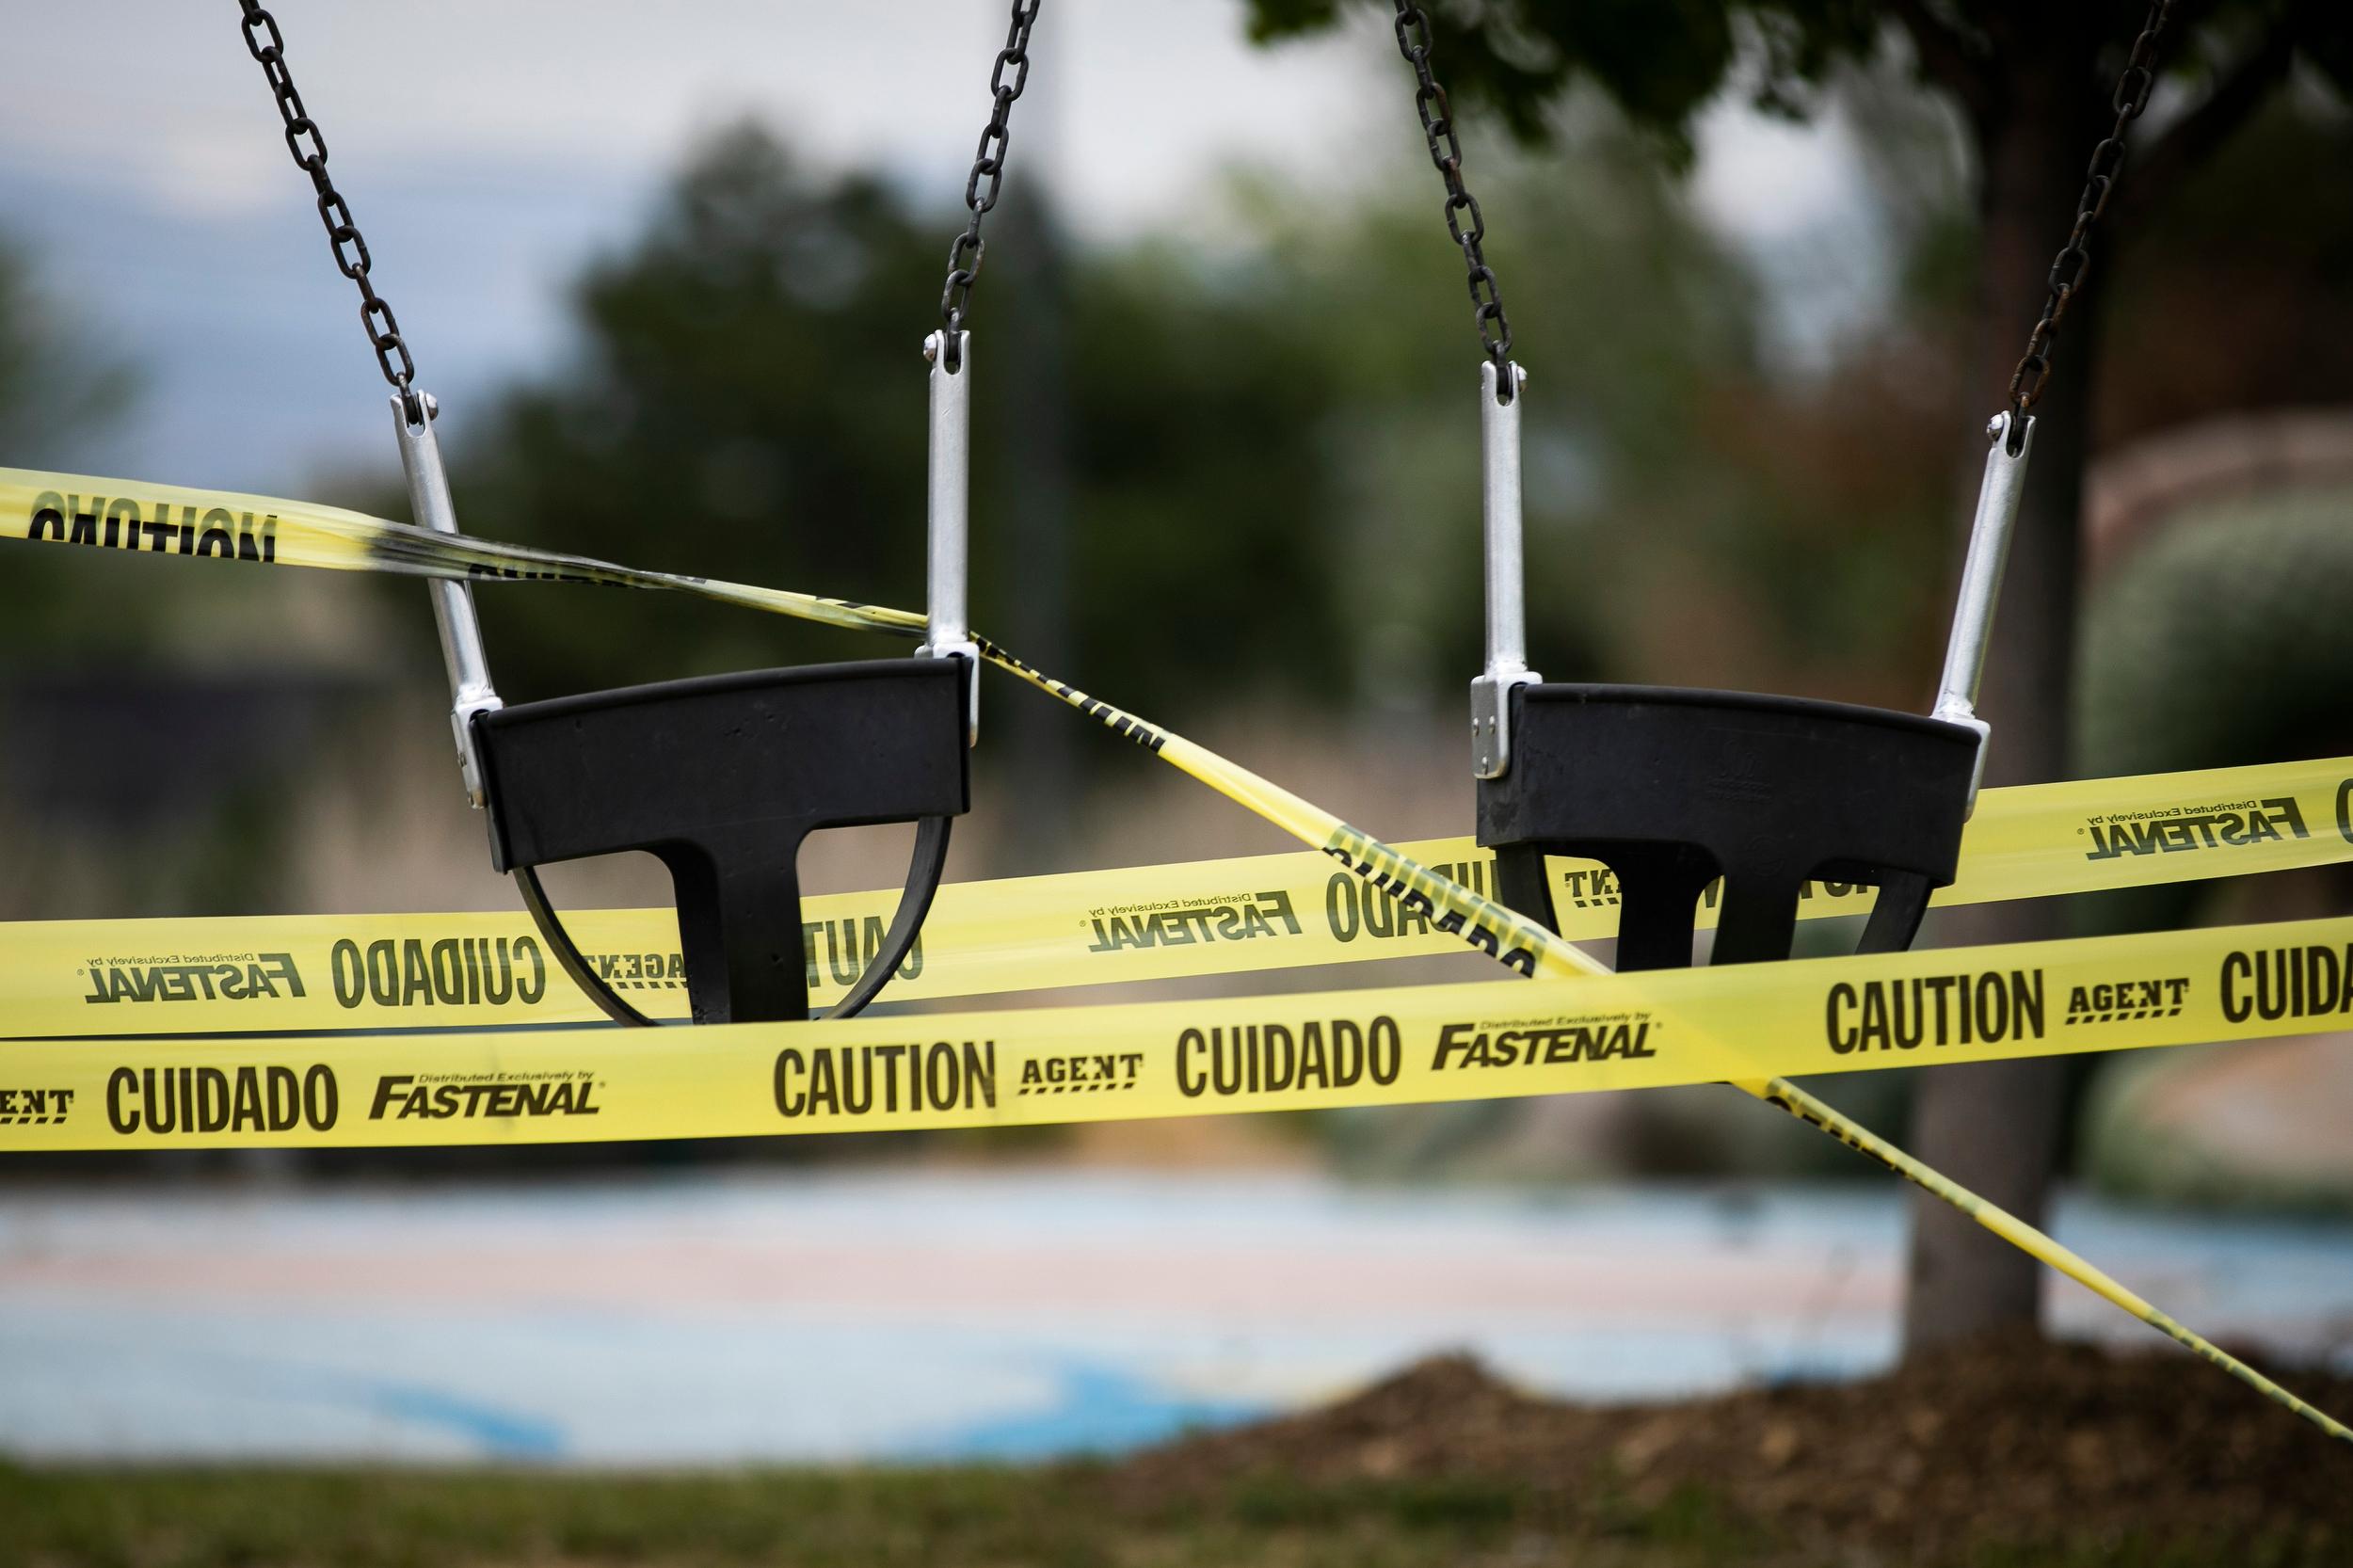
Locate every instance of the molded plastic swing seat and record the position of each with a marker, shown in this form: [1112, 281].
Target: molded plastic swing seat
[1670, 789]
[721, 777]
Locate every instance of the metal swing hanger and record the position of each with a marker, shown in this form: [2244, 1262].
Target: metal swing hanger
[1675, 789]
[720, 778]
[2010, 434]
[948, 352]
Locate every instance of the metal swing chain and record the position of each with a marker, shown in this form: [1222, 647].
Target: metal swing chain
[262, 39]
[2010, 435]
[2075, 258]
[988, 163]
[1437, 125]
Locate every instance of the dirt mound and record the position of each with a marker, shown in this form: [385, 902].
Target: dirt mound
[2014, 1442]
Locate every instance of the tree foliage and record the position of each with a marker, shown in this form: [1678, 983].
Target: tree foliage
[747, 401]
[54, 383]
[1662, 62]
[1272, 453]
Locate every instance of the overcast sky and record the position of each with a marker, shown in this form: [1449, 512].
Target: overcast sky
[489, 145]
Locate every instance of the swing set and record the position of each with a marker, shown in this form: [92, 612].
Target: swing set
[1696, 801]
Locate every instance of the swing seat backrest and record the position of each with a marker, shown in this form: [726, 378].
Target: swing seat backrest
[722, 777]
[1672, 788]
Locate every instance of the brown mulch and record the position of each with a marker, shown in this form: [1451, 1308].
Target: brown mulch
[2010, 1442]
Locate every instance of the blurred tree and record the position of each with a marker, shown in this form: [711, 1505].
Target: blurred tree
[748, 402]
[98, 720]
[736, 407]
[51, 384]
[1691, 509]
[2233, 284]
[2031, 82]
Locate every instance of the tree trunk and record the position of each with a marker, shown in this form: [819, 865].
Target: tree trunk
[1996, 1127]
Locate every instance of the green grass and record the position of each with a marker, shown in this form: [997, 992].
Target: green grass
[1069, 1517]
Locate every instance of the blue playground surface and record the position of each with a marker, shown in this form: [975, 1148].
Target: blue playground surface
[959, 1314]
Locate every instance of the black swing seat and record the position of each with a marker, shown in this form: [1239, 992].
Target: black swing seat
[1670, 789]
[721, 777]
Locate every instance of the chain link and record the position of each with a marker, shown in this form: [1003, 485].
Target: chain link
[308, 148]
[988, 165]
[1437, 125]
[2075, 258]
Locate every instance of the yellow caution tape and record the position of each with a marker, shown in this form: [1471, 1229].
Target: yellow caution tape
[318, 973]
[323, 972]
[1784, 1096]
[1122, 1061]
[222, 527]
[209, 526]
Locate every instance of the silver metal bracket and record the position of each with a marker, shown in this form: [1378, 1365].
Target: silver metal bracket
[1990, 531]
[1507, 610]
[949, 633]
[470, 687]
[1491, 722]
